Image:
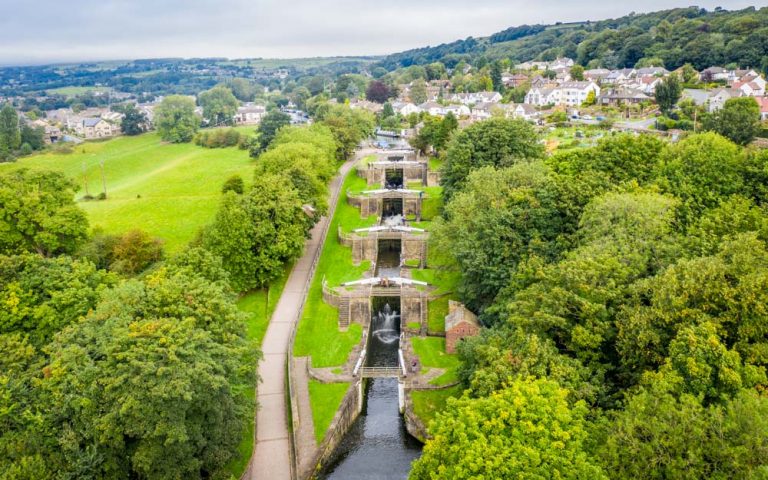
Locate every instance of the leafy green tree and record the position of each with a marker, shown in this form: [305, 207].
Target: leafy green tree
[387, 111]
[242, 89]
[44, 295]
[38, 214]
[527, 431]
[667, 93]
[175, 119]
[725, 289]
[119, 397]
[219, 105]
[349, 127]
[235, 184]
[660, 435]
[134, 122]
[33, 136]
[135, 251]
[255, 234]
[496, 142]
[268, 128]
[701, 170]
[496, 71]
[418, 91]
[487, 244]
[577, 72]
[10, 136]
[738, 120]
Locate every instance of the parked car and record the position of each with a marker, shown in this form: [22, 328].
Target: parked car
[600, 118]
[587, 117]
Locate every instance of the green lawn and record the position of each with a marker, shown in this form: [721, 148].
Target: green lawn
[435, 164]
[438, 309]
[326, 399]
[260, 304]
[431, 352]
[168, 190]
[318, 334]
[427, 403]
[74, 91]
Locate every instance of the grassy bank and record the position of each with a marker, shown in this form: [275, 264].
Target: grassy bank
[427, 403]
[168, 190]
[431, 352]
[325, 399]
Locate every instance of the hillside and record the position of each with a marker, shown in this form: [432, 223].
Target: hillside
[674, 37]
[168, 190]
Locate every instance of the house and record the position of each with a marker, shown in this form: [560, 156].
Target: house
[372, 107]
[460, 323]
[52, 134]
[750, 88]
[513, 81]
[652, 72]
[476, 97]
[457, 110]
[597, 75]
[432, 108]
[763, 103]
[699, 97]
[619, 77]
[573, 94]
[542, 96]
[523, 111]
[483, 111]
[647, 84]
[622, 96]
[714, 74]
[405, 108]
[249, 114]
[95, 128]
[718, 98]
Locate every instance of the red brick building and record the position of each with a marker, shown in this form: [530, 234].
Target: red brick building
[459, 323]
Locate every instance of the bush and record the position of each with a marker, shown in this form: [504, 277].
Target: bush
[26, 149]
[135, 251]
[235, 184]
[220, 138]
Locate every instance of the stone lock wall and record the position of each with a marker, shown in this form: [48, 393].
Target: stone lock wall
[364, 248]
[412, 308]
[412, 206]
[414, 249]
[360, 310]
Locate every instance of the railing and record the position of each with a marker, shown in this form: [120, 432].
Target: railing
[380, 372]
[289, 359]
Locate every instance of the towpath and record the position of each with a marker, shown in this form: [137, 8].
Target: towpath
[272, 454]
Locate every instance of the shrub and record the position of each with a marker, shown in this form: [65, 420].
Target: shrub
[135, 251]
[235, 184]
[220, 138]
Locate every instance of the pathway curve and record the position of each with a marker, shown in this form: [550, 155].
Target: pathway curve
[272, 455]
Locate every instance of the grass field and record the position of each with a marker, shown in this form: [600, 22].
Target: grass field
[431, 352]
[168, 190]
[325, 399]
[74, 91]
[427, 403]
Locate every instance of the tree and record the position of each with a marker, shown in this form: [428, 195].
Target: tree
[738, 120]
[377, 91]
[176, 120]
[527, 431]
[242, 89]
[418, 92]
[38, 214]
[268, 128]
[496, 72]
[10, 136]
[156, 383]
[577, 72]
[135, 251]
[348, 126]
[34, 137]
[667, 93]
[134, 122]
[255, 234]
[591, 99]
[219, 105]
[496, 142]
[662, 435]
[47, 294]
[387, 111]
[235, 184]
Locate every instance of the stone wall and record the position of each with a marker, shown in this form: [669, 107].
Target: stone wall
[433, 178]
[414, 308]
[360, 310]
[414, 248]
[413, 423]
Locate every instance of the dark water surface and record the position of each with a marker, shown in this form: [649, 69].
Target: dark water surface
[377, 445]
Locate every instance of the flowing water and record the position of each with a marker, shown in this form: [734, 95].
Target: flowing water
[388, 259]
[377, 446]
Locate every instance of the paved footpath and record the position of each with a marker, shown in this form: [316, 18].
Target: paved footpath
[272, 457]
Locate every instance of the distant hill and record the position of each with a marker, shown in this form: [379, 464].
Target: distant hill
[675, 37]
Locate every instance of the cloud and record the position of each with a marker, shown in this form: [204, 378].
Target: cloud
[54, 30]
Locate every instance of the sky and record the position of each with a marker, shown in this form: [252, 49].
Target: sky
[47, 31]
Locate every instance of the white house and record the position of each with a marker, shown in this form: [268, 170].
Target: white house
[476, 97]
[573, 94]
[405, 108]
[95, 128]
[457, 110]
[250, 114]
[542, 96]
[524, 111]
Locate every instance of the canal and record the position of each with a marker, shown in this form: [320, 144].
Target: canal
[377, 446]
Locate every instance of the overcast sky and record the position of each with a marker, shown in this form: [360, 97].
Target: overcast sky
[40, 31]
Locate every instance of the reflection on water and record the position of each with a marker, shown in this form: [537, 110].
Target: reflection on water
[388, 259]
[377, 446]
